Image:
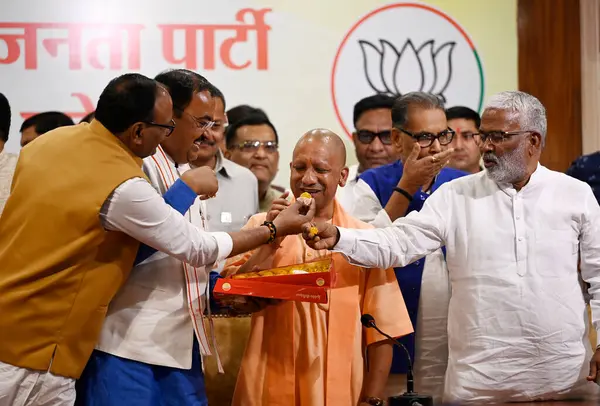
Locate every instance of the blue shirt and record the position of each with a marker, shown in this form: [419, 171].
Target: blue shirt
[586, 168]
[382, 181]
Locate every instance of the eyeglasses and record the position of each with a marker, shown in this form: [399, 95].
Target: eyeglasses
[496, 137]
[169, 127]
[367, 137]
[468, 135]
[201, 125]
[425, 139]
[253, 146]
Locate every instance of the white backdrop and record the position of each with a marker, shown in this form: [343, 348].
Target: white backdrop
[307, 71]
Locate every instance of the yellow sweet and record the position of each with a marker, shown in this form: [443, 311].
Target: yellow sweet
[306, 195]
[310, 267]
[312, 232]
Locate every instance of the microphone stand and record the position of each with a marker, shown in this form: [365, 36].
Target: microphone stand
[410, 397]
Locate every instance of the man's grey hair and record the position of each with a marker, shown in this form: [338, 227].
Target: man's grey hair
[525, 108]
[404, 103]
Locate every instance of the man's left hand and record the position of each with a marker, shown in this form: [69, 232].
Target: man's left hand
[594, 367]
[278, 205]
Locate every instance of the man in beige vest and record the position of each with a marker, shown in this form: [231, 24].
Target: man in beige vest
[70, 231]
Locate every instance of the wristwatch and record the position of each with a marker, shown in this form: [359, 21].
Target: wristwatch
[374, 401]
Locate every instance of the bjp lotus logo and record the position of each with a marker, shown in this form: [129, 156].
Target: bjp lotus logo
[401, 48]
[391, 71]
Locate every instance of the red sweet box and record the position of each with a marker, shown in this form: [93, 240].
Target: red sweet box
[281, 283]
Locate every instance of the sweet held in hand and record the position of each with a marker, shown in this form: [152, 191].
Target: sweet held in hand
[306, 199]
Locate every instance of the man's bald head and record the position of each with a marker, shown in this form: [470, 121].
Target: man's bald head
[329, 139]
[318, 167]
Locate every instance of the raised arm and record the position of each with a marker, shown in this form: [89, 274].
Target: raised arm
[180, 197]
[408, 239]
[136, 209]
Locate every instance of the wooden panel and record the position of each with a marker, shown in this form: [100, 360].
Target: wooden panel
[550, 69]
[590, 75]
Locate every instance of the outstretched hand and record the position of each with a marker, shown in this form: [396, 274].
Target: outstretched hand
[278, 205]
[326, 235]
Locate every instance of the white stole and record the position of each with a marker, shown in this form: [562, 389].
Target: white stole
[196, 279]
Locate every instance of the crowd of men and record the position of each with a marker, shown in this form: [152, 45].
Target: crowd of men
[448, 231]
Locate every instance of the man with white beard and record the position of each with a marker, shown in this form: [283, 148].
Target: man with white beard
[516, 323]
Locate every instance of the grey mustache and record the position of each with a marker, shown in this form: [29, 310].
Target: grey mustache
[203, 140]
[490, 157]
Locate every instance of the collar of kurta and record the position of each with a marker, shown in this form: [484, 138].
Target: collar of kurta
[221, 163]
[536, 178]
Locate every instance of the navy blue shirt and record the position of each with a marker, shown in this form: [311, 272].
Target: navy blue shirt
[382, 181]
[586, 168]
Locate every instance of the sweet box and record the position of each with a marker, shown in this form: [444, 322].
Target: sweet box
[308, 282]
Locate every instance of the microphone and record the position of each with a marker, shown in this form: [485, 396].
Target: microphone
[410, 397]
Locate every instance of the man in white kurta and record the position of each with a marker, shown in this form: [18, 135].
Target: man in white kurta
[517, 316]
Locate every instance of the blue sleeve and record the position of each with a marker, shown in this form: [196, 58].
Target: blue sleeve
[367, 177]
[576, 170]
[214, 306]
[180, 197]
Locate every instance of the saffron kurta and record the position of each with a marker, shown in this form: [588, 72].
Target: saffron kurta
[308, 354]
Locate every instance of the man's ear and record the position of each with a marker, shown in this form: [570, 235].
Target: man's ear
[396, 137]
[536, 141]
[343, 177]
[137, 136]
[354, 138]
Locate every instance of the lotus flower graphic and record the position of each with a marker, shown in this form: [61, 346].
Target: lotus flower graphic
[395, 73]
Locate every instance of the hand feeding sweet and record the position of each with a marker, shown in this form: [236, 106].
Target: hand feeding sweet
[305, 198]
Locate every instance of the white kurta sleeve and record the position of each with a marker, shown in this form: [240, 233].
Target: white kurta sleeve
[368, 208]
[408, 239]
[135, 208]
[589, 240]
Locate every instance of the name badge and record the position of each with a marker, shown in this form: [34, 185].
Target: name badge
[225, 217]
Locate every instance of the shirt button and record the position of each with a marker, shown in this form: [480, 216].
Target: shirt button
[308, 254]
[417, 262]
[520, 238]
[518, 217]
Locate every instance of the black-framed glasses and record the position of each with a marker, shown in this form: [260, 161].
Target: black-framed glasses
[367, 137]
[169, 127]
[253, 146]
[425, 139]
[497, 137]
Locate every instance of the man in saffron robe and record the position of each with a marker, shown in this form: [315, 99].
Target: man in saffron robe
[308, 354]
